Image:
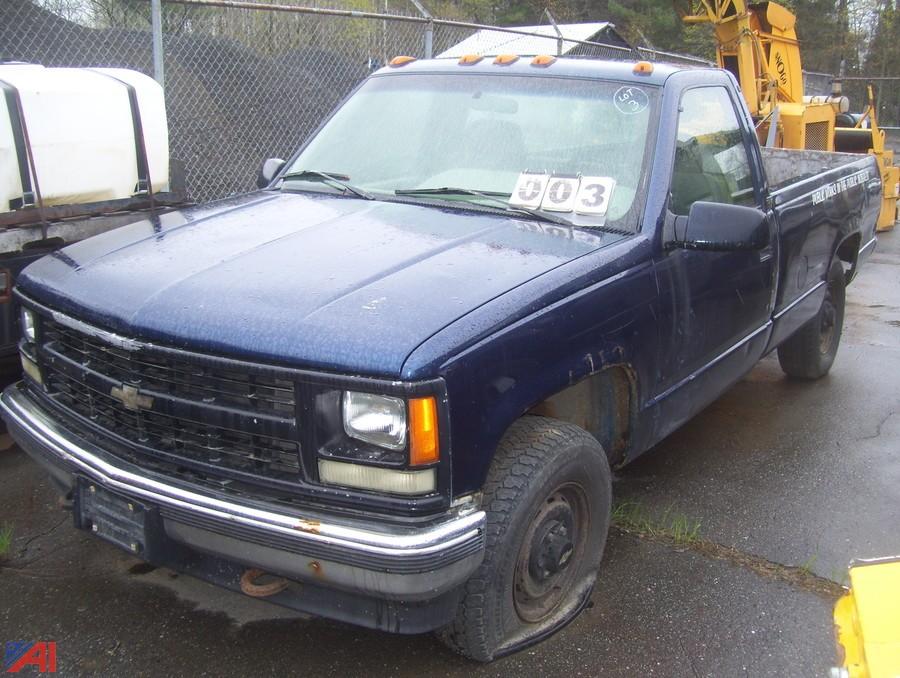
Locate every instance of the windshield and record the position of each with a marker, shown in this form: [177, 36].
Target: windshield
[573, 148]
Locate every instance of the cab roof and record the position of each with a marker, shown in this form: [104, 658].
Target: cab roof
[561, 67]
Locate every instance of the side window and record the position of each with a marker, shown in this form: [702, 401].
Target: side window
[711, 160]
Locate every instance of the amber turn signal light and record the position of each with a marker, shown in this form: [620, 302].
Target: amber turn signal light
[543, 60]
[506, 59]
[424, 447]
[400, 61]
[470, 59]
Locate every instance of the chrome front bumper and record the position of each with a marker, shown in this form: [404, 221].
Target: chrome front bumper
[365, 556]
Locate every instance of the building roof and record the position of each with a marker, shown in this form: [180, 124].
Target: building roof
[492, 42]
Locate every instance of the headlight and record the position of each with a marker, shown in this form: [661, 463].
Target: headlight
[379, 420]
[400, 435]
[28, 325]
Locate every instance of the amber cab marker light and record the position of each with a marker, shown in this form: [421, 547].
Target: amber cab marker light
[423, 431]
[543, 60]
[400, 61]
[643, 68]
[470, 59]
[506, 59]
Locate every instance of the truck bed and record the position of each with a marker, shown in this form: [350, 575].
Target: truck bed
[786, 166]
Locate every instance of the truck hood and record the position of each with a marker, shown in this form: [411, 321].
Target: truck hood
[307, 280]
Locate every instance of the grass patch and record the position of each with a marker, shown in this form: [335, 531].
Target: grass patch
[673, 527]
[633, 516]
[807, 567]
[6, 537]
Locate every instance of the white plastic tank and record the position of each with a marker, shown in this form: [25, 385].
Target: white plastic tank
[82, 135]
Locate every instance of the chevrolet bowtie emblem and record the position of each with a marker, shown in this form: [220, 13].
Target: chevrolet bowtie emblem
[131, 398]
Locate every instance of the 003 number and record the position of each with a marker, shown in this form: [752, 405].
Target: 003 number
[563, 193]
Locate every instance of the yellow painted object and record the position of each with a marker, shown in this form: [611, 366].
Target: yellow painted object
[757, 42]
[870, 140]
[806, 126]
[759, 45]
[890, 177]
[867, 621]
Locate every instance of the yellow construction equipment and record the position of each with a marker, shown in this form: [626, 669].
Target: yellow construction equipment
[758, 44]
[867, 626]
[859, 139]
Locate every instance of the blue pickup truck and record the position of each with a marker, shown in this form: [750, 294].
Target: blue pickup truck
[388, 387]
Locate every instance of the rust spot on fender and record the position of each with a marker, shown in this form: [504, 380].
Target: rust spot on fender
[316, 568]
[311, 526]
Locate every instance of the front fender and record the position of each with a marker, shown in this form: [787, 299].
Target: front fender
[496, 380]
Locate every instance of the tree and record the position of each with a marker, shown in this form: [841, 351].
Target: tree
[883, 59]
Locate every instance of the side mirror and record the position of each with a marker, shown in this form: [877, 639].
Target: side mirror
[719, 227]
[270, 168]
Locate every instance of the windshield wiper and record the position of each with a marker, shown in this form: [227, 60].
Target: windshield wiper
[492, 196]
[449, 190]
[339, 180]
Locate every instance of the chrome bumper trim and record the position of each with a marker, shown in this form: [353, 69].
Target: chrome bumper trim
[352, 542]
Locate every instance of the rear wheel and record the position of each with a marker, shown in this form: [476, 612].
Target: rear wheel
[547, 499]
[810, 352]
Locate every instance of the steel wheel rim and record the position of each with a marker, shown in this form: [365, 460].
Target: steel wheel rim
[547, 564]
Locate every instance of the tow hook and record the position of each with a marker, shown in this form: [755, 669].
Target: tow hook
[251, 588]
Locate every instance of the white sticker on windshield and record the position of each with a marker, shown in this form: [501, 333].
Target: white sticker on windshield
[630, 100]
[589, 196]
[560, 194]
[529, 190]
[594, 195]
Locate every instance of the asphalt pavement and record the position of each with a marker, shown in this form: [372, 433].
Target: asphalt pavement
[785, 482]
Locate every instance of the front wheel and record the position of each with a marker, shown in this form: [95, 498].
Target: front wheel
[810, 352]
[547, 499]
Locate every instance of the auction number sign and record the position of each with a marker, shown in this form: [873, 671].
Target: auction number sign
[563, 193]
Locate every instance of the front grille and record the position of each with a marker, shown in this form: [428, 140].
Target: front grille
[178, 378]
[202, 416]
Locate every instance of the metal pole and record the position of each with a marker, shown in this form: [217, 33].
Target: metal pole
[157, 30]
[559, 35]
[384, 52]
[429, 39]
[429, 28]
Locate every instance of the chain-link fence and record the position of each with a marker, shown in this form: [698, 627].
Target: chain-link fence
[241, 85]
[244, 82]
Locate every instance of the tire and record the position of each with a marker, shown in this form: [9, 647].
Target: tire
[547, 499]
[810, 352]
